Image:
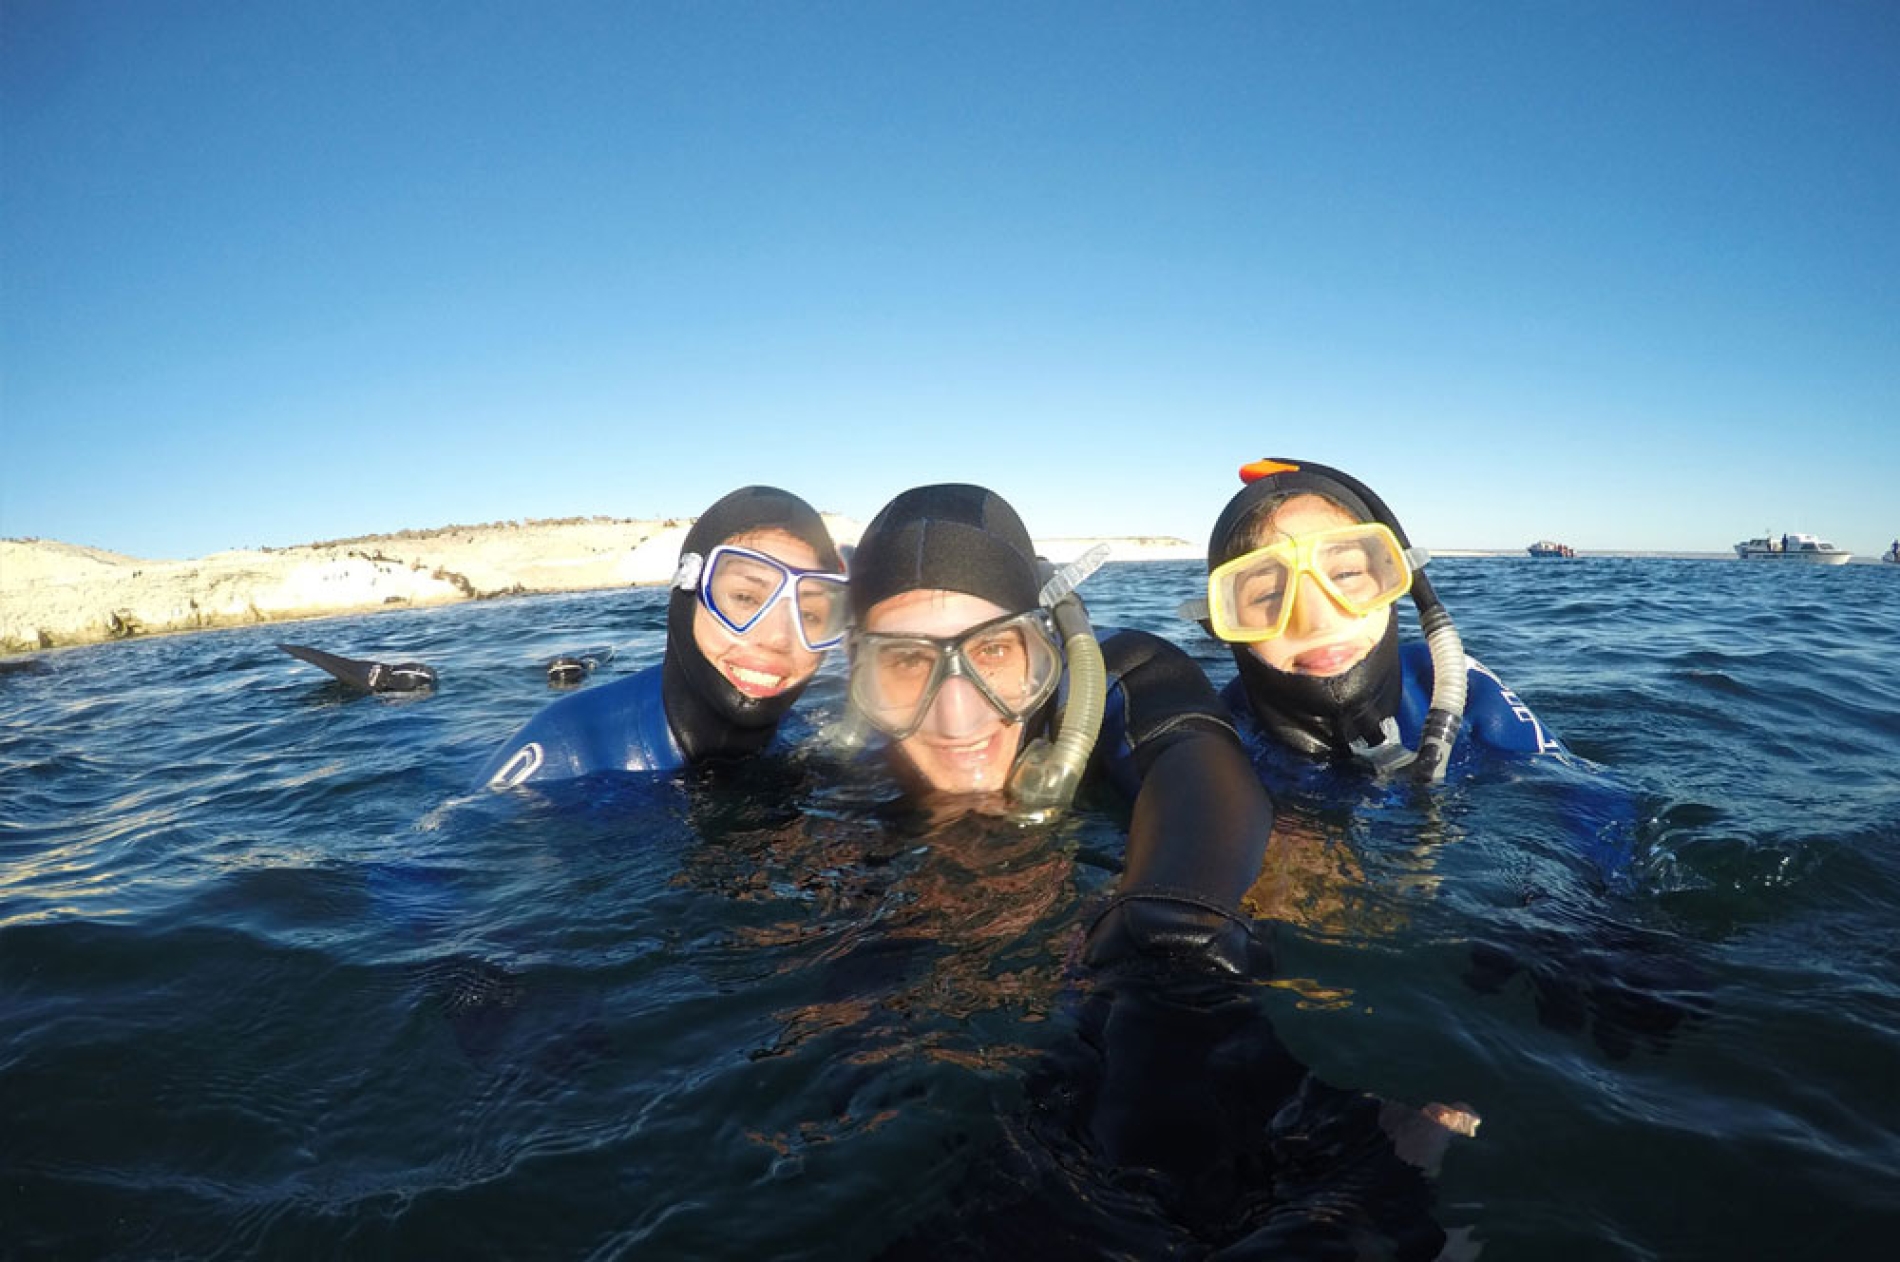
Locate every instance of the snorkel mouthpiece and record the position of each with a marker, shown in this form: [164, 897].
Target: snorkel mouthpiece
[1047, 774]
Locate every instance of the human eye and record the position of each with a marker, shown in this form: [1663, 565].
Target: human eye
[1259, 600]
[817, 610]
[906, 660]
[741, 599]
[1350, 570]
[999, 654]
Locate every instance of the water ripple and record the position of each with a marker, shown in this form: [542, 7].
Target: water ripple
[276, 984]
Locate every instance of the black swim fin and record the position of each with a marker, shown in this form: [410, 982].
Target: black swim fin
[368, 676]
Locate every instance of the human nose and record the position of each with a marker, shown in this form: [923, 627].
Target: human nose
[776, 629]
[959, 709]
[1314, 610]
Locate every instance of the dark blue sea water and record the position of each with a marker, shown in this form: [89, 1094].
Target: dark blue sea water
[273, 985]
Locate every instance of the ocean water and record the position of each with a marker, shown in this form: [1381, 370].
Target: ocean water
[274, 984]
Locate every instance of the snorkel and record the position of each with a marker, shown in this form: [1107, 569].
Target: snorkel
[1047, 773]
[1447, 707]
[1445, 711]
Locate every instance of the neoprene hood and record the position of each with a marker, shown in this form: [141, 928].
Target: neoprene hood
[707, 714]
[953, 537]
[1313, 714]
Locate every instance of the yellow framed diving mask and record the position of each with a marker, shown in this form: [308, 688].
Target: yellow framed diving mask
[1362, 568]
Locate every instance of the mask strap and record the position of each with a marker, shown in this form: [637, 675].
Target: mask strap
[691, 566]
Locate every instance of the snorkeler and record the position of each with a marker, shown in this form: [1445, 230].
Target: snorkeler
[758, 598]
[1304, 566]
[958, 657]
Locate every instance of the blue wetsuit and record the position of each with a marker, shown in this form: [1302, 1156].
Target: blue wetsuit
[1496, 720]
[1599, 811]
[620, 726]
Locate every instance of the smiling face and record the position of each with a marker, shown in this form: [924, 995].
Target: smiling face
[963, 745]
[1321, 638]
[768, 659]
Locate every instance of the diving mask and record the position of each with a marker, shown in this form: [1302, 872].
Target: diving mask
[1362, 568]
[1013, 662]
[739, 587]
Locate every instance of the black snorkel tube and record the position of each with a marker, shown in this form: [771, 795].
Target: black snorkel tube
[1440, 730]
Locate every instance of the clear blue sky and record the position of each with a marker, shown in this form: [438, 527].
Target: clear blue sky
[1622, 274]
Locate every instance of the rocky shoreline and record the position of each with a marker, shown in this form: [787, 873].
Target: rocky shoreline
[54, 595]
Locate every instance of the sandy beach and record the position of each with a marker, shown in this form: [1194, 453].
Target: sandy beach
[57, 594]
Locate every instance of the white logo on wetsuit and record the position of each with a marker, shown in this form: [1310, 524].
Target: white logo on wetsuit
[525, 763]
[1545, 744]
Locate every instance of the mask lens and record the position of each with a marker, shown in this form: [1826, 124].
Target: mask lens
[1016, 664]
[895, 678]
[1362, 566]
[1013, 663]
[1251, 597]
[741, 587]
[822, 609]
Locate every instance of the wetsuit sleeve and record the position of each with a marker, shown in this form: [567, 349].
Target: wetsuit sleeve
[1200, 822]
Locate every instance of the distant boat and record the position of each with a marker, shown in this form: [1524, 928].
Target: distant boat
[1892, 555]
[1792, 547]
[1549, 548]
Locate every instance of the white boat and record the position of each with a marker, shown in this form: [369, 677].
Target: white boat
[1792, 547]
[1892, 555]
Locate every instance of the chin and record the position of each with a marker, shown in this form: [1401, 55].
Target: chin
[937, 774]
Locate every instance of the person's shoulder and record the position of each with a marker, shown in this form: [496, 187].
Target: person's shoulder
[582, 732]
[1501, 719]
[1131, 646]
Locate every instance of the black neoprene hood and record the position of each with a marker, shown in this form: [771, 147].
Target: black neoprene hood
[1313, 714]
[1233, 529]
[707, 714]
[949, 537]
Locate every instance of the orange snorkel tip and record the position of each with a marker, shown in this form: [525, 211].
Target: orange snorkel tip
[1253, 471]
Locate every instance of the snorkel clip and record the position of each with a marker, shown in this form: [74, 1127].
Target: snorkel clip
[1389, 755]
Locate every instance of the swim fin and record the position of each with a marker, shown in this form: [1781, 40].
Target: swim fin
[368, 676]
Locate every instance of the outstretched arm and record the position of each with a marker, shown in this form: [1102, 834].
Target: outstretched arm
[1201, 819]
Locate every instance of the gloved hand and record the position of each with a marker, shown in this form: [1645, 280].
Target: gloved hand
[1170, 928]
